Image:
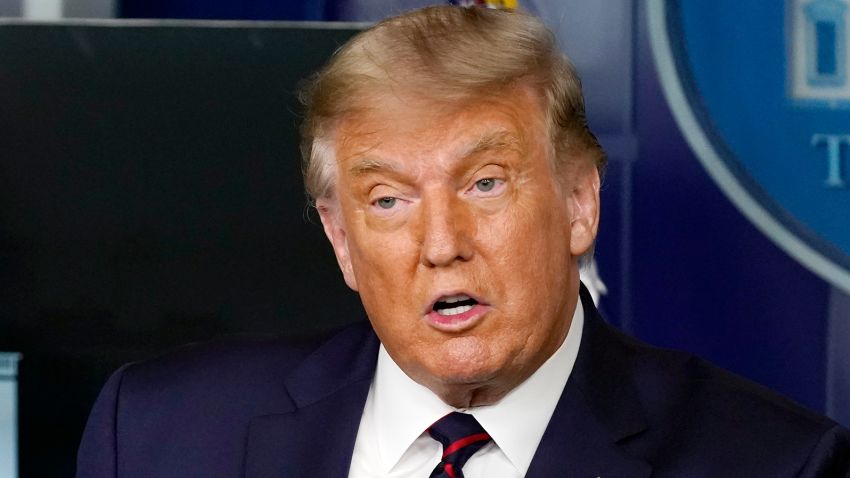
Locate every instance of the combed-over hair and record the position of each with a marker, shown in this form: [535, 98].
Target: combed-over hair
[443, 53]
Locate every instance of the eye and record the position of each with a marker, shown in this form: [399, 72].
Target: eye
[386, 202]
[488, 187]
[485, 185]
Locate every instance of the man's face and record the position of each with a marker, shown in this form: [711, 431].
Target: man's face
[461, 238]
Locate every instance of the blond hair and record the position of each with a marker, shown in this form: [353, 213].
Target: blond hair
[444, 53]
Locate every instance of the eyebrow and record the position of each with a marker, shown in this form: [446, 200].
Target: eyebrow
[371, 165]
[492, 140]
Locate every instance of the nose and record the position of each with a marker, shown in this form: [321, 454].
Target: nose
[445, 224]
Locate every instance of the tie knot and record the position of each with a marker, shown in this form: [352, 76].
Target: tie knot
[461, 436]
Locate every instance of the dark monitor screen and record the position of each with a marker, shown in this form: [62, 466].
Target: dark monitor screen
[150, 195]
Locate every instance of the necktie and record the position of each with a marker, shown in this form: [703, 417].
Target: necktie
[461, 436]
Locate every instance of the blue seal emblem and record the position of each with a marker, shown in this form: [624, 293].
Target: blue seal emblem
[761, 91]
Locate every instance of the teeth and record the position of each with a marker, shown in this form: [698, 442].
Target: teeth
[455, 298]
[455, 310]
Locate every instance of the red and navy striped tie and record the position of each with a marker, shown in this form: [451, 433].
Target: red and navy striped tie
[461, 436]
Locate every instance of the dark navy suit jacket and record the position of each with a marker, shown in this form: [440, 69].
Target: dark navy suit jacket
[274, 409]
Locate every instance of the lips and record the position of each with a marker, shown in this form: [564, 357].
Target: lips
[454, 305]
[455, 311]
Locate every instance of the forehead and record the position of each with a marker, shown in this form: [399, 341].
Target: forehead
[398, 126]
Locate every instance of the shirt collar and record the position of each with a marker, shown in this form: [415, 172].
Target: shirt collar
[403, 409]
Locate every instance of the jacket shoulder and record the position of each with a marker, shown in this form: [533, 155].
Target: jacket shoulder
[696, 409]
[245, 363]
[188, 411]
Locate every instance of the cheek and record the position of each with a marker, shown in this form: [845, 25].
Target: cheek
[380, 263]
[383, 265]
[531, 231]
[532, 256]
[371, 242]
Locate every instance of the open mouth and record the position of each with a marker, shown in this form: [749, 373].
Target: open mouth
[454, 305]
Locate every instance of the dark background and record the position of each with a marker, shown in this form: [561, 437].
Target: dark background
[150, 195]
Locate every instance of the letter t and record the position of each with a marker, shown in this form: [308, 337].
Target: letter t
[833, 142]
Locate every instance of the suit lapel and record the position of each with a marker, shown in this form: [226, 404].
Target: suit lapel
[577, 445]
[598, 410]
[329, 391]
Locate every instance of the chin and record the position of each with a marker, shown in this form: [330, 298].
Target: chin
[459, 374]
[463, 361]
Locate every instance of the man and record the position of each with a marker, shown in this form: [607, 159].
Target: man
[449, 159]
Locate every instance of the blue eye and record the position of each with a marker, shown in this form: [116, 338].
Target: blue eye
[485, 185]
[386, 203]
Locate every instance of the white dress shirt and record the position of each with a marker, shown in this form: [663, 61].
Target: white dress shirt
[392, 442]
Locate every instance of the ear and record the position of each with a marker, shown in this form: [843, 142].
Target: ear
[334, 228]
[584, 200]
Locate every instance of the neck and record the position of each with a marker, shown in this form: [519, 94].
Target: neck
[468, 397]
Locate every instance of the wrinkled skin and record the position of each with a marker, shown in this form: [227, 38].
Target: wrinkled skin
[433, 200]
